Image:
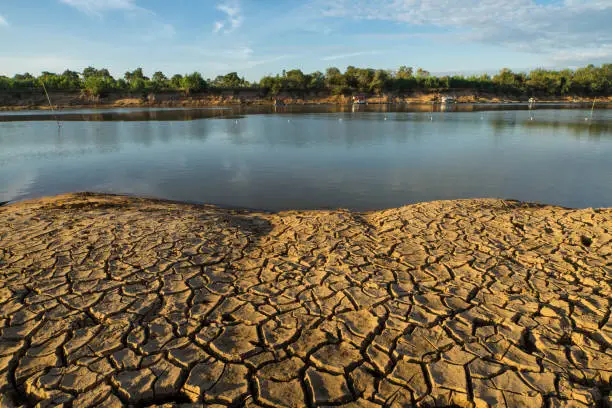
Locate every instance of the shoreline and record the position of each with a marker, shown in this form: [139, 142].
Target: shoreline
[224, 207]
[113, 300]
[33, 101]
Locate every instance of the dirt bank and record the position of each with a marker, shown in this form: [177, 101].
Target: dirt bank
[36, 99]
[108, 301]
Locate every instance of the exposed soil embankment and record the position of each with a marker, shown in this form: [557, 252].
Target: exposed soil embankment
[36, 99]
[110, 301]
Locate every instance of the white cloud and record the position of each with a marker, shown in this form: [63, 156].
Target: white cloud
[96, 7]
[3, 22]
[218, 26]
[595, 55]
[561, 28]
[349, 55]
[233, 17]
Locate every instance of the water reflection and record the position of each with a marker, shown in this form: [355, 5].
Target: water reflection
[359, 157]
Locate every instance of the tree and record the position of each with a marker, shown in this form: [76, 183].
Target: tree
[24, 81]
[231, 80]
[71, 80]
[351, 77]
[295, 79]
[176, 81]
[137, 85]
[193, 83]
[421, 73]
[159, 81]
[89, 72]
[333, 77]
[134, 75]
[379, 82]
[316, 80]
[404, 72]
[270, 84]
[365, 78]
[508, 81]
[98, 85]
[590, 80]
[159, 77]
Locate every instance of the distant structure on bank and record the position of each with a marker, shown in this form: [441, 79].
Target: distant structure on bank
[359, 100]
[447, 99]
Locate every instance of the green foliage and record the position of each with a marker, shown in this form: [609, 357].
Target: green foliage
[193, 83]
[98, 82]
[176, 81]
[295, 79]
[404, 72]
[159, 81]
[316, 80]
[231, 80]
[587, 81]
[334, 78]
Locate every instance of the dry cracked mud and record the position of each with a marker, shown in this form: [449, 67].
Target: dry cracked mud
[110, 301]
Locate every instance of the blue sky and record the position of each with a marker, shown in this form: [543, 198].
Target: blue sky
[258, 37]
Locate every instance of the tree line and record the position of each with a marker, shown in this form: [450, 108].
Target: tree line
[586, 81]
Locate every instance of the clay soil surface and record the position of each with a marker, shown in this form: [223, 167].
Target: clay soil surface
[109, 301]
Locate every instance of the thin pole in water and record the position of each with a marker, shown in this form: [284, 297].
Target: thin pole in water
[432, 109]
[592, 107]
[50, 104]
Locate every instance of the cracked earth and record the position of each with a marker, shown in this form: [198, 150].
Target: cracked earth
[110, 301]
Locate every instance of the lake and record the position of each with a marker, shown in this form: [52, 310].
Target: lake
[361, 158]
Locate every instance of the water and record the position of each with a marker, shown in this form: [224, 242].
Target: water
[315, 157]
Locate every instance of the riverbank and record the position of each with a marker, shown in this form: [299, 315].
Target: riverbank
[35, 99]
[110, 300]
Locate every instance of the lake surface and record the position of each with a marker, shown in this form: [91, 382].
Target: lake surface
[366, 157]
